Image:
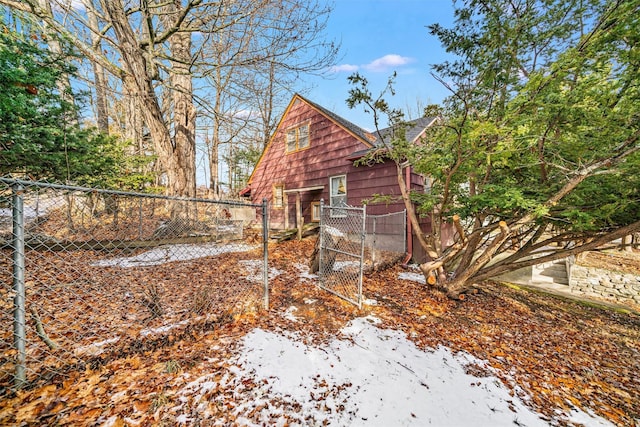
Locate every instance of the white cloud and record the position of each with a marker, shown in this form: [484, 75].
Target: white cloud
[386, 62]
[382, 64]
[344, 68]
[68, 5]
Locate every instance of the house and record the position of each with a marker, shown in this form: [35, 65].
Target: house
[312, 156]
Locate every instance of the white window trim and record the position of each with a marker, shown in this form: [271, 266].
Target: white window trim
[336, 213]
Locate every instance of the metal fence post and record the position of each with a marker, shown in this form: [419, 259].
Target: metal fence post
[140, 219]
[321, 242]
[362, 238]
[404, 228]
[19, 301]
[265, 250]
[374, 240]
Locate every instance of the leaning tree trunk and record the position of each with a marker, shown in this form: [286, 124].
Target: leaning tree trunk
[456, 286]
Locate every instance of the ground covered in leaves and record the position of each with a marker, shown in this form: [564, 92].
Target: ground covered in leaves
[558, 353]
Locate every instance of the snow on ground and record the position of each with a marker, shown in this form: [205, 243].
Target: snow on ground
[33, 208]
[169, 253]
[254, 270]
[289, 314]
[367, 377]
[96, 348]
[333, 231]
[304, 273]
[342, 265]
[414, 277]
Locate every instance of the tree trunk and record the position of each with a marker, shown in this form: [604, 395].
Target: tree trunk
[214, 178]
[183, 175]
[461, 283]
[63, 84]
[100, 78]
[176, 161]
[214, 148]
[133, 122]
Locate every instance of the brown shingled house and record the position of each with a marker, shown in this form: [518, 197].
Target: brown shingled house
[311, 156]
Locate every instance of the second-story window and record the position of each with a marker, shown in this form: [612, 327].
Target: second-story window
[297, 138]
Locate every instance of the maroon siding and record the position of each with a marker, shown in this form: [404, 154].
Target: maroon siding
[331, 145]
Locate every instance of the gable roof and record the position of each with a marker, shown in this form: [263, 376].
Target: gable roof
[365, 137]
[414, 129]
[353, 128]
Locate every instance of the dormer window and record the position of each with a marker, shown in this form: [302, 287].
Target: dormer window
[297, 138]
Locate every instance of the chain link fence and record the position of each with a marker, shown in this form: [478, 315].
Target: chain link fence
[342, 232]
[385, 239]
[351, 242]
[89, 274]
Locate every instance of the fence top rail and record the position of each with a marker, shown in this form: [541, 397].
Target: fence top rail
[42, 184]
[387, 214]
[345, 208]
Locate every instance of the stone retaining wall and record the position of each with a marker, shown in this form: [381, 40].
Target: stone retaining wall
[604, 283]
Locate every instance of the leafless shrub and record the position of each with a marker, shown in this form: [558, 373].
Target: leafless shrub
[201, 302]
[152, 299]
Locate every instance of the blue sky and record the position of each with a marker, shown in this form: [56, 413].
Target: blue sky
[377, 38]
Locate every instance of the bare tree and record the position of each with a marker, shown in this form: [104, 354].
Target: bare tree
[99, 75]
[258, 59]
[157, 49]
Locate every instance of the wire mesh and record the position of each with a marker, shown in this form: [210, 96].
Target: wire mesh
[385, 240]
[341, 251]
[92, 274]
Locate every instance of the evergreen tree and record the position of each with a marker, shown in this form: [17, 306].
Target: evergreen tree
[537, 152]
[39, 133]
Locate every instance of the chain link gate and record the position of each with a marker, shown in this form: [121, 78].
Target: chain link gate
[342, 235]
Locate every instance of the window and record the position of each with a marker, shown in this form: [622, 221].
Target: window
[297, 138]
[315, 211]
[278, 196]
[303, 137]
[291, 140]
[428, 183]
[338, 193]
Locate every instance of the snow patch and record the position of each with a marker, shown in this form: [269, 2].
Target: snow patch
[96, 348]
[288, 314]
[163, 329]
[342, 265]
[414, 277]
[378, 377]
[254, 268]
[333, 231]
[371, 377]
[304, 272]
[170, 253]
